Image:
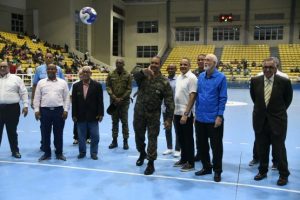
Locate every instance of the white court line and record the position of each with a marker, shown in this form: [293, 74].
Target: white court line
[297, 147]
[34, 131]
[154, 176]
[20, 131]
[166, 159]
[227, 142]
[244, 143]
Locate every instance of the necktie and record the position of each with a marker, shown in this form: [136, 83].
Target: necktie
[268, 90]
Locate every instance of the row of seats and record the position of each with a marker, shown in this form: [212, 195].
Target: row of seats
[289, 55]
[35, 46]
[190, 52]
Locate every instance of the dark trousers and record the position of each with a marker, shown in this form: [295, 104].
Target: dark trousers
[197, 132]
[207, 132]
[255, 153]
[143, 121]
[264, 139]
[168, 133]
[52, 117]
[120, 114]
[75, 132]
[186, 139]
[9, 116]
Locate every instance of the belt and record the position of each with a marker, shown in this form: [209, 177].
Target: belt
[52, 108]
[6, 105]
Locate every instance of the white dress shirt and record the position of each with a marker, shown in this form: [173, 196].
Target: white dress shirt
[50, 93]
[12, 90]
[185, 85]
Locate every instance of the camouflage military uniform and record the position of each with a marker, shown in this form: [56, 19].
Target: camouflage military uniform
[119, 86]
[197, 71]
[147, 110]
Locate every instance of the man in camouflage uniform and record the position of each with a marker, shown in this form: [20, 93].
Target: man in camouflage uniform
[118, 86]
[153, 88]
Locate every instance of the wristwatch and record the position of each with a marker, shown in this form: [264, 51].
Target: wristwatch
[186, 114]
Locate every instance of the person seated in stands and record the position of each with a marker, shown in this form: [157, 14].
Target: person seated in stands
[19, 68]
[232, 78]
[102, 69]
[12, 68]
[29, 70]
[235, 61]
[238, 68]
[66, 48]
[20, 36]
[296, 69]
[246, 72]
[68, 70]
[46, 44]
[74, 68]
[253, 64]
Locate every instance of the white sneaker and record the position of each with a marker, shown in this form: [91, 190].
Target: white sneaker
[177, 154]
[168, 151]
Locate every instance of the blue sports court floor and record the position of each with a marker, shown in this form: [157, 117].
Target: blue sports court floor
[115, 176]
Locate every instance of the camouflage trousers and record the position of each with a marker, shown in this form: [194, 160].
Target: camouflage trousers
[120, 114]
[146, 121]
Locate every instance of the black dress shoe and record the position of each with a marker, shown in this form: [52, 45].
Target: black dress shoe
[140, 160]
[44, 157]
[113, 144]
[150, 168]
[260, 176]
[94, 156]
[282, 181]
[217, 177]
[81, 155]
[125, 144]
[61, 157]
[203, 171]
[179, 163]
[16, 155]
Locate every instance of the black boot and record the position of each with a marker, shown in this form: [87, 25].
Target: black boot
[150, 168]
[113, 144]
[125, 144]
[141, 159]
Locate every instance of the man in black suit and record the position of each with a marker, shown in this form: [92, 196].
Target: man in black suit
[87, 111]
[271, 95]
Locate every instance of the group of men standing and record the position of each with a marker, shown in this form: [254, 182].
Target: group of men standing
[271, 94]
[209, 92]
[197, 98]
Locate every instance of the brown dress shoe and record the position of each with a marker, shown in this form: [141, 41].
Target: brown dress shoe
[282, 181]
[260, 176]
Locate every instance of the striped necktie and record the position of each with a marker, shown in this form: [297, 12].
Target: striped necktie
[268, 91]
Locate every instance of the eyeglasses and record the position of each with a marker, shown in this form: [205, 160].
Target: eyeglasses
[3, 66]
[49, 57]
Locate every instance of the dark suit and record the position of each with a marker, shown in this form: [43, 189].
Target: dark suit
[270, 122]
[86, 111]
